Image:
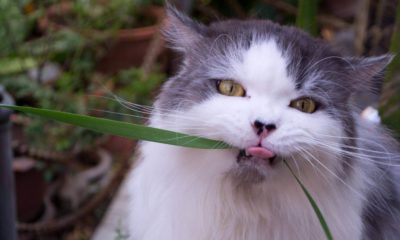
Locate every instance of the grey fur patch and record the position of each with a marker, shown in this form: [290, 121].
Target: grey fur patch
[381, 213]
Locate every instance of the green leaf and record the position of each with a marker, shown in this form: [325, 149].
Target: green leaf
[16, 65]
[314, 205]
[307, 16]
[59, 42]
[123, 129]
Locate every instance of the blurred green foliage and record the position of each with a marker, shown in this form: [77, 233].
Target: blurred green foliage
[101, 15]
[12, 65]
[135, 88]
[62, 96]
[390, 106]
[75, 49]
[14, 25]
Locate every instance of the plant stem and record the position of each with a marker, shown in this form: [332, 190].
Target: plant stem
[361, 25]
[307, 16]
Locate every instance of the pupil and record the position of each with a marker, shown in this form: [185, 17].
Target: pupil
[231, 88]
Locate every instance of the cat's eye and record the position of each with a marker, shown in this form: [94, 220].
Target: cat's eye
[230, 88]
[304, 104]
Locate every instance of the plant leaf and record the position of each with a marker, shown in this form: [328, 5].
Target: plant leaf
[307, 16]
[16, 65]
[314, 205]
[124, 129]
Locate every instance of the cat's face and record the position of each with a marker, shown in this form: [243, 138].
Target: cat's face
[271, 92]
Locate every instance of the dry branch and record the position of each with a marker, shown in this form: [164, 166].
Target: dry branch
[361, 24]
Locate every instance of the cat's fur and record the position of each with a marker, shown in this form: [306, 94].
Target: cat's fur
[347, 164]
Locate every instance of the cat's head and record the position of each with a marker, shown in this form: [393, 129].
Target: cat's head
[272, 92]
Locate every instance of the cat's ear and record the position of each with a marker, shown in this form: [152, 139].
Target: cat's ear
[181, 31]
[367, 73]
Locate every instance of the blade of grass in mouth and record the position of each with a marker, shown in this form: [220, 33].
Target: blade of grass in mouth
[124, 129]
[140, 132]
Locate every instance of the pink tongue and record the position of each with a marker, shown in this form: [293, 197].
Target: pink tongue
[260, 152]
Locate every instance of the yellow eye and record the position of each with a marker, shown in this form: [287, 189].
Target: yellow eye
[230, 88]
[304, 104]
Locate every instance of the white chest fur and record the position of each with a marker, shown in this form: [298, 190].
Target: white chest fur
[181, 193]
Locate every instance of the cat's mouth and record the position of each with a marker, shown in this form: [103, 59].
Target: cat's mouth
[253, 164]
[257, 155]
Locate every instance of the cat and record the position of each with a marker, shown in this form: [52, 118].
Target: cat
[276, 95]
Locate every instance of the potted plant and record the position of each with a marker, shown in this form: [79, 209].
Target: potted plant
[128, 27]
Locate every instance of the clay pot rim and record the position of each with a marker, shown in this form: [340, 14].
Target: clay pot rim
[136, 33]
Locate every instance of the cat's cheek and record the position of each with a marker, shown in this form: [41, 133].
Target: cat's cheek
[226, 119]
[304, 131]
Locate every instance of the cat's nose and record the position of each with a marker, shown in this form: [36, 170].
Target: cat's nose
[263, 129]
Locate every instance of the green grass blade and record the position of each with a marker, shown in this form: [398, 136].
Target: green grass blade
[314, 205]
[124, 129]
[307, 16]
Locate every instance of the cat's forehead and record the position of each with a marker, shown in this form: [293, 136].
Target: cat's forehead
[264, 48]
[263, 68]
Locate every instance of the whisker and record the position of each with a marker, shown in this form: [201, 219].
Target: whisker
[315, 168]
[339, 149]
[358, 156]
[334, 175]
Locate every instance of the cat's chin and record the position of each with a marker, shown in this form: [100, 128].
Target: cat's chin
[252, 169]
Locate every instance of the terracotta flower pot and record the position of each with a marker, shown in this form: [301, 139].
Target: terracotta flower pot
[125, 51]
[130, 45]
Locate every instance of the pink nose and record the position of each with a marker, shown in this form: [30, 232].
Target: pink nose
[262, 129]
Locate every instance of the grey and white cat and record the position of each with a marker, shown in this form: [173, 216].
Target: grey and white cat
[273, 93]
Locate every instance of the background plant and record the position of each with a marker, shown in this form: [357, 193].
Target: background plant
[75, 52]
